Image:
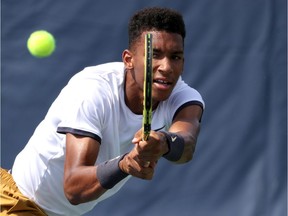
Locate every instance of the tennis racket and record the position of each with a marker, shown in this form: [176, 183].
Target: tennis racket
[148, 79]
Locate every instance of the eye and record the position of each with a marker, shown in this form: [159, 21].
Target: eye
[177, 57]
[156, 55]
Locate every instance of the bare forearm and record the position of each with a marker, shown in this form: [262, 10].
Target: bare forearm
[190, 138]
[189, 148]
[81, 185]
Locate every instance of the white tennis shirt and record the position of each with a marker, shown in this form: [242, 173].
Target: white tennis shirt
[91, 104]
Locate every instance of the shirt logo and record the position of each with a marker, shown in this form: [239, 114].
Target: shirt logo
[160, 128]
[173, 138]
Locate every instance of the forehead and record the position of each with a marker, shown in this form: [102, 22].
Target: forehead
[163, 40]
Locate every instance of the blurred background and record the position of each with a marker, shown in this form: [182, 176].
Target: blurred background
[235, 56]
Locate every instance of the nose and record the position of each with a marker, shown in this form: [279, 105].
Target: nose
[165, 66]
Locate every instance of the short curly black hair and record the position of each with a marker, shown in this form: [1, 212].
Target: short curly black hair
[155, 18]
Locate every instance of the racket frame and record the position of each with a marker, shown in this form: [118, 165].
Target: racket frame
[147, 88]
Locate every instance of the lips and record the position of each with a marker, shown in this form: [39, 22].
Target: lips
[162, 84]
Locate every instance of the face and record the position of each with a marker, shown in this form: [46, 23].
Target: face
[168, 62]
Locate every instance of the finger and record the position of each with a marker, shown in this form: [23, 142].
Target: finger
[145, 173]
[153, 164]
[137, 170]
[146, 163]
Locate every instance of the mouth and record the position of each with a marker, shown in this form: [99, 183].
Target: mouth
[162, 84]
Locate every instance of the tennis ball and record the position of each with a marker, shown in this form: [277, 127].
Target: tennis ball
[41, 44]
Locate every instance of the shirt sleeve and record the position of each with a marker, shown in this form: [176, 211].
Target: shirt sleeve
[183, 95]
[83, 109]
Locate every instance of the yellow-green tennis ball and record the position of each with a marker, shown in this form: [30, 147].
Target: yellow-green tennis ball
[41, 44]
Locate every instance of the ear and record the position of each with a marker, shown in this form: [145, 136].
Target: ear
[127, 58]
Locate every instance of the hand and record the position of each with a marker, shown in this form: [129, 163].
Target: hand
[153, 148]
[142, 159]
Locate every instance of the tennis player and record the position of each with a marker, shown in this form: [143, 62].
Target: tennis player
[89, 143]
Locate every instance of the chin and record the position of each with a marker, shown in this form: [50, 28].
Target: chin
[160, 97]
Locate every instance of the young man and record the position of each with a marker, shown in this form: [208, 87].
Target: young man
[89, 143]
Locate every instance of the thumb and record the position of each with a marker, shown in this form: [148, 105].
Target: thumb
[137, 137]
[136, 140]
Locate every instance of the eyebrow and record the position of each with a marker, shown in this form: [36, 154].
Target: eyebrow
[175, 52]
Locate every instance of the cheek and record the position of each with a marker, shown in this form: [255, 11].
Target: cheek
[139, 75]
[178, 70]
[138, 68]
[179, 65]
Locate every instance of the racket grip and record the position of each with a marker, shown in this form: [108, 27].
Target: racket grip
[146, 132]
